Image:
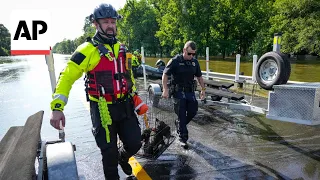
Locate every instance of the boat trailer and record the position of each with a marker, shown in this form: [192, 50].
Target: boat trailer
[24, 155]
[215, 91]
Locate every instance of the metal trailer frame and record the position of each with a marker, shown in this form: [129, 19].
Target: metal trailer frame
[296, 103]
[155, 92]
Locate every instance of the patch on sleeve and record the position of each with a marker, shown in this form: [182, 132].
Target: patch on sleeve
[168, 64]
[77, 57]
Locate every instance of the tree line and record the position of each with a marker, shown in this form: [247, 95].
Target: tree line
[4, 41]
[227, 27]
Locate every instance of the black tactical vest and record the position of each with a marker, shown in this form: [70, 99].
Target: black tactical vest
[184, 72]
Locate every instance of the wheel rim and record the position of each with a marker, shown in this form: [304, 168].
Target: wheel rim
[268, 71]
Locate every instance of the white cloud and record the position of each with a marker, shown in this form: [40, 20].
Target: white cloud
[67, 15]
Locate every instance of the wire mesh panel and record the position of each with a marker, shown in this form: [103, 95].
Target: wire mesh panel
[157, 126]
[297, 103]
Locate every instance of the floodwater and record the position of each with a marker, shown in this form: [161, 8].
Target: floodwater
[224, 143]
[305, 71]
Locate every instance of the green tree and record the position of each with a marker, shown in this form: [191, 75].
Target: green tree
[171, 22]
[223, 26]
[66, 46]
[298, 20]
[88, 28]
[138, 26]
[226, 26]
[198, 22]
[5, 44]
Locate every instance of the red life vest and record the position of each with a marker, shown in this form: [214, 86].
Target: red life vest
[109, 78]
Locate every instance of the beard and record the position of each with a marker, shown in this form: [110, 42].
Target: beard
[110, 29]
[108, 34]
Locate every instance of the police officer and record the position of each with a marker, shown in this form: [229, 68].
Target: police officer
[182, 69]
[110, 88]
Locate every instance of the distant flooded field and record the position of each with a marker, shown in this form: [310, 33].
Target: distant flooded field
[305, 71]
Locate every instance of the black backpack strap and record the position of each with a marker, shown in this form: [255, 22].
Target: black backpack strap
[102, 49]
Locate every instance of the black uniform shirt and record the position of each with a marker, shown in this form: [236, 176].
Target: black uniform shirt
[183, 71]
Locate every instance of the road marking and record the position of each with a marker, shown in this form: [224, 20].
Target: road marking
[137, 169]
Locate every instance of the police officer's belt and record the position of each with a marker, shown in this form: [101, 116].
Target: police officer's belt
[184, 89]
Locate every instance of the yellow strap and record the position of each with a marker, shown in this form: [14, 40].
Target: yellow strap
[145, 118]
[105, 116]
[108, 102]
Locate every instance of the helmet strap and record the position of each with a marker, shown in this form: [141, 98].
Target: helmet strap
[102, 39]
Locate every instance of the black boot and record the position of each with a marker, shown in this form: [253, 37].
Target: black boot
[126, 167]
[177, 126]
[184, 144]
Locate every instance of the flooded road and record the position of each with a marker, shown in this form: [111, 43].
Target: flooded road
[224, 143]
[301, 70]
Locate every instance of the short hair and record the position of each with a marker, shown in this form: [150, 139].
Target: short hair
[190, 44]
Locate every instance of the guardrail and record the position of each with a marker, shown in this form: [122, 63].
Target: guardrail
[232, 77]
[236, 77]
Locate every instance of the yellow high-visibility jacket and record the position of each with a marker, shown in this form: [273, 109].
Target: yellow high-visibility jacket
[135, 61]
[84, 59]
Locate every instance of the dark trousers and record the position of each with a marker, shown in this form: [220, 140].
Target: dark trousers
[126, 125]
[134, 71]
[186, 108]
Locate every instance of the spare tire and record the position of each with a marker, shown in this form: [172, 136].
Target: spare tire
[287, 65]
[272, 70]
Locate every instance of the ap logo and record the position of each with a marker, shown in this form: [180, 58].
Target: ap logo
[30, 32]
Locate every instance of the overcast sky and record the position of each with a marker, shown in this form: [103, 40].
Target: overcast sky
[67, 15]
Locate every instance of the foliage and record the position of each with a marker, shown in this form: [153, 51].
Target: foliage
[138, 26]
[299, 22]
[4, 41]
[227, 27]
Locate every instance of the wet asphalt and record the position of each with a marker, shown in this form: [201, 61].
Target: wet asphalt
[236, 144]
[224, 143]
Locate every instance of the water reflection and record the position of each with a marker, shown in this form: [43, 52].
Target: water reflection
[276, 173]
[305, 71]
[277, 150]
[230, 167]
[10, 75]
[311, 169]
[270, 135]
[4, 60]
[171, 166]
[285, 149]
[11, 68]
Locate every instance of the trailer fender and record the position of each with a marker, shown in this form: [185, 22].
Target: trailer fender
[61, 161]
[155, 92]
